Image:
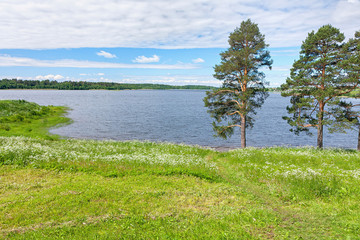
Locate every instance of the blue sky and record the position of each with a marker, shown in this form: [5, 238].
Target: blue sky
[139, 41]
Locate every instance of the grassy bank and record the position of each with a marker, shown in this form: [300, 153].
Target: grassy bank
[22, 118]
[83, 189]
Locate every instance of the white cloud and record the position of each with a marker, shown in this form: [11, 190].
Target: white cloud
[8, 61]
[88, 74]
[49, 77]
[173, 80]
[285, 52]
[181, 24]
[198, 60]
[143, 59]
[156, 79]
[281, 69]
[106, 54]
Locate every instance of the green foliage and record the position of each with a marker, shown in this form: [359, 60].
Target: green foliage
[18, 110]
[22, 118]
[316, 80]
[273, 89]
[353, 94]
[344, 115]
[346, 111]
[69, 85]
[351, 63]
[243, 86]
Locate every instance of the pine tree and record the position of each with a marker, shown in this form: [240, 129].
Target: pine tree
[316, 80]
[346, 113]
[243, 85]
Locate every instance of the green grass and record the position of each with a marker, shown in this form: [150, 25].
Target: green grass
[107, 189]
[22, 118]
[84, 189]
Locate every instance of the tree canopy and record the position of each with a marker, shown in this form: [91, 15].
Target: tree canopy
[347, 114]
[243, 85]
[316, 80]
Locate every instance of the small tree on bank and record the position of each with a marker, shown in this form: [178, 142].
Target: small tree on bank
[316, 80]
[243, 86]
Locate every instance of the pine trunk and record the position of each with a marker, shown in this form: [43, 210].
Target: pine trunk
[358, 147]
[243, 132]
[320, 136]
[320, 128]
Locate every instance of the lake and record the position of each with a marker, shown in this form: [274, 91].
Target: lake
[177, 116]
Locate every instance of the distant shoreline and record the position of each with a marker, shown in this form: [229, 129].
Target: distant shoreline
[52, 89]
[12, 84]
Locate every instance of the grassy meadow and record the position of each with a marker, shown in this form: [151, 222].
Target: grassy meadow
[85, 189]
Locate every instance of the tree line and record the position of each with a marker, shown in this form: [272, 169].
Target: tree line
[327, 69]
[83, 85]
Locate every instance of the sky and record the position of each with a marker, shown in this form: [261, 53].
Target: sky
[153, 41]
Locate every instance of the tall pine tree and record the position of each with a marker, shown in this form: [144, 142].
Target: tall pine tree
[316, 80]
[243, 85]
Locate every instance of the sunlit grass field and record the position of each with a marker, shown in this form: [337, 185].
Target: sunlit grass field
[84, 189]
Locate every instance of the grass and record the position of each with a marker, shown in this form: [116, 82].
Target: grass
[84, 189]
[22, 118]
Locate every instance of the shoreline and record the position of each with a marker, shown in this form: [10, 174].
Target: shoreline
[214, 148]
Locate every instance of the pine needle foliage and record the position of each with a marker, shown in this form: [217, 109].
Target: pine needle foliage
[243, 86]
[316, 81]
[347, 113]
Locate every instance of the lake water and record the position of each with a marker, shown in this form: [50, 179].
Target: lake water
[177, 116]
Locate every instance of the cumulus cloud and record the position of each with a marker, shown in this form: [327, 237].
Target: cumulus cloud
[8, 61]
[49, 77]
[155, 23]
[143, 59]
[106, 54]
[198, 60]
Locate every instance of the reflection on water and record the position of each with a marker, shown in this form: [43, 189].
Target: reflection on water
[167, 115]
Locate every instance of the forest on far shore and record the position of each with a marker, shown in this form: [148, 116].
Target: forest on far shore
[82, 85]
